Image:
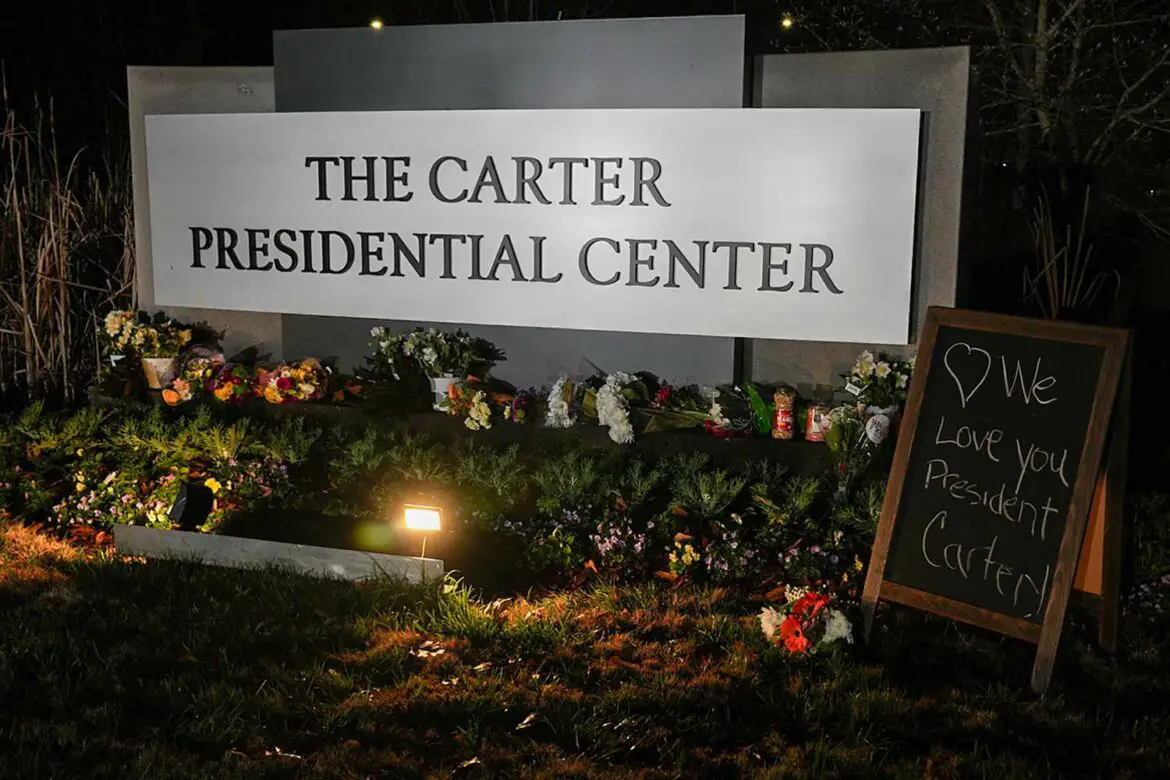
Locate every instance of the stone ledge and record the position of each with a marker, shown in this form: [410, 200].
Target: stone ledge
[241, 553]
[799, 455]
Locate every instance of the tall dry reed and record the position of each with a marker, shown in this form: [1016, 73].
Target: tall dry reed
[66, 257]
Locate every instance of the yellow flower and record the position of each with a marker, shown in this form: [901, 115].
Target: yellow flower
[213, 484]
[80, 487]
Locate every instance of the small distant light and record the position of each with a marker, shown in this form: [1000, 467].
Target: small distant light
[376, 24]
[423, 518]
[787, 22]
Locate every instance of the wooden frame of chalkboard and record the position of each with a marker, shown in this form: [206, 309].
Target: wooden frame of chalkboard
[909, 568]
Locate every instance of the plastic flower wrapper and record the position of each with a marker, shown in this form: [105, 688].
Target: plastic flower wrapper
[675, 407]
[730, 413]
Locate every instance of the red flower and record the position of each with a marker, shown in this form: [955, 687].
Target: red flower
[792, 634]
[284, 383]
[809, 606]
[661, 397]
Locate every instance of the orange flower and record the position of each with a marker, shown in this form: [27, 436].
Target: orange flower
[792, 634]
[170, 397]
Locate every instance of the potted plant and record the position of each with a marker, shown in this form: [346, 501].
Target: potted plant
[443, 357]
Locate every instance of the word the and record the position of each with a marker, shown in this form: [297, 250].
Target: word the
[1016, 587]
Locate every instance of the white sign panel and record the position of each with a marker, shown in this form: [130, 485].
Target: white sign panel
[763, 223]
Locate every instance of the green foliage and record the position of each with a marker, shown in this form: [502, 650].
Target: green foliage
[638, 481]
[493, 481]
[292, 441]
[414, 457]
[708, 493]
[569, 482]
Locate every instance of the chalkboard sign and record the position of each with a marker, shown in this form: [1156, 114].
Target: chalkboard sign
[997, 460]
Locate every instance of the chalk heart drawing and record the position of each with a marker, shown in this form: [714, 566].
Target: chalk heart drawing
[965, 362]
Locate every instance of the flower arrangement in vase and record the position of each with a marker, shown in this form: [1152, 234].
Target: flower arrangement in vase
[156, 341]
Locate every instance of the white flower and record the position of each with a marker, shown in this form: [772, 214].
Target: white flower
[864, 367]
[770, 620]
[430, 356]
[794, 594]
[375, 333]
[837, 627]
[882, 370]
[716, 415]
[612, 409]
[558, 414]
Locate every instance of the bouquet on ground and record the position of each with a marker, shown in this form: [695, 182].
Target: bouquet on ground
[484, 402]
[291, 383]
[194, 376]
[673, 407]
[806, 623]
[435, 352]
[624, 403]
[234, 383]
[610, 398]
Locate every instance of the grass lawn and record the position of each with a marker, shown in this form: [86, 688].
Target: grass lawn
[173, 670]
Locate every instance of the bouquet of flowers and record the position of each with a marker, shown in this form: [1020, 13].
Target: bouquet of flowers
[609, 398]
[194, 376]
[437, 353]
[880, 381]
[233, 383]
[675, 406]
[806, 623]
[482, 402]
[139, 333]
[561, 404]
[290, 383]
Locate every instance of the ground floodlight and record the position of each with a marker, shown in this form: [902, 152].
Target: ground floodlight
[423, 518]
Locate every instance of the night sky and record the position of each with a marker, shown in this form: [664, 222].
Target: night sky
[78, 51]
